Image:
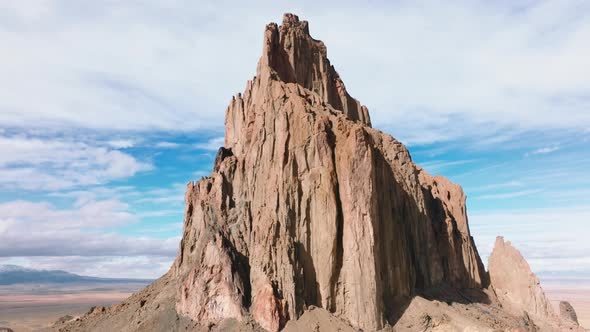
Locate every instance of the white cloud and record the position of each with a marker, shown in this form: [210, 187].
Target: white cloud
[88, 214]
[551, 239]
[41, 229]
[51, 164]
[163, 197]
[200, 173]
[492, 68]
[435, 166]
[166, 145]
[121, 144]
[141, 267]
[511, 194]
[212, 144]
[495, 186]
[173, 194]
[545, 150]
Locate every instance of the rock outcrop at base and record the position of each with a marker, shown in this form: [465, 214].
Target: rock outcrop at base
[567, 312]
[518, 290]
[310, 206]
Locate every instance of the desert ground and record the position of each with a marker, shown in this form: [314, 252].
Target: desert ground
[31, 311]
[575, 292]
[27, 308]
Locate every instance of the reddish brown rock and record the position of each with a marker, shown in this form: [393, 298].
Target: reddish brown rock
[518, 289]
[218, 279]
[316, 207]
[295, 57]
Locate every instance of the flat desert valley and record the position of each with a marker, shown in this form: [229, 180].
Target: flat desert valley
[576, 292]
[34, 310]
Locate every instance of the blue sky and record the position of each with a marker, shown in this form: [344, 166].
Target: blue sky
[108, 109]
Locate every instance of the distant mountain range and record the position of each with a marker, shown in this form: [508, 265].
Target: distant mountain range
[14, 274]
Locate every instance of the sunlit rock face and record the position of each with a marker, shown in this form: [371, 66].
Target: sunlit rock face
[308, 205]
[518, 289]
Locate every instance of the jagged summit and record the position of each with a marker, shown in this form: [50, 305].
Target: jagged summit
[295, 57]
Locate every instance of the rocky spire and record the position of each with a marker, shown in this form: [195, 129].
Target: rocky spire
[310, 206]
[295, 57]
[515, 285]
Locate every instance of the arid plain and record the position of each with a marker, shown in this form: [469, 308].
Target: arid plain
[33, 308]
[29, 312]
[578, 294]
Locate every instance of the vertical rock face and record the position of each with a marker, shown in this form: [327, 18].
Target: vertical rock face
[516, 286]
[308, 205]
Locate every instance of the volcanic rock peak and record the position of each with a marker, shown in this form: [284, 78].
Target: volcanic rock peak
[295, 57]
[308, 205]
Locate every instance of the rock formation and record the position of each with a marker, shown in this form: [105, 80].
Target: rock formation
[519, 292]
[309, 205]
[514, 283]
[311, 219]
[567, 312]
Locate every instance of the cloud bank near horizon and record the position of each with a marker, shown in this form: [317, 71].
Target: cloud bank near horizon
[108, 109]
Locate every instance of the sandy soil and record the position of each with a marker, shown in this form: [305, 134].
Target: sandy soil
[576, 293]
[31, 312]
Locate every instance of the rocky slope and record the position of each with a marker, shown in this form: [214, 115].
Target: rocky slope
[313, 219]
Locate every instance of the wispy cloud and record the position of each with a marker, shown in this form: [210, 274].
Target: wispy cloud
[544, 150]
[435, 166]
[87, 214]
[200, 173]
[50, 164]
[496, 186]
[121, 144]
[166, 145]
[41, 229]
[212, 144]
[100, 266]
[550, 238]
[506, 195]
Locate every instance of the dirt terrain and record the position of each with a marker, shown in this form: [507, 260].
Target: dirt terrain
[32, 312]
[29, 307]
[578, 296]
